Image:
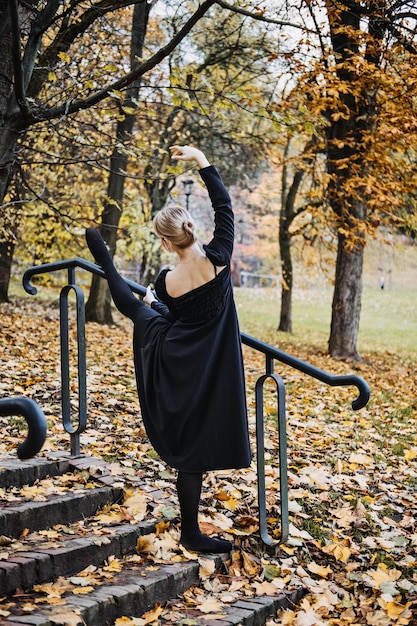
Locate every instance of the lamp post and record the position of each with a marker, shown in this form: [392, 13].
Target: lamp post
[188, 183]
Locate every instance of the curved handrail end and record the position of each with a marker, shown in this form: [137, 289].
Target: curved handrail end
[35, 419]
[29, 288]
[364, 394]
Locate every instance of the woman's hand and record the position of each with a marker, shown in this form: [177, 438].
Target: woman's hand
[149, 297]
[188, 153]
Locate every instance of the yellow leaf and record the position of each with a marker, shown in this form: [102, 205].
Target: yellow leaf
[152, 615]
[382, 575]
[50, 589]
[250, 566]
[210, 606]
[319, 569]
[394, 609]
[81, 590]
[110, 518]
[207, 567]
[230, 504]
[344, 516]
[64, 56]
[136, 506]
[410, 455]
[340, 552]
[116, 94]
[222, 495]
[287, 618]
[361, 459]
[145, 544]
[114, 565]
[161, 527]
[129, 110]
[265, 588]
[69, 618]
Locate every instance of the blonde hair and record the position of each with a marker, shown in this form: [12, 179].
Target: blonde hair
[177, 225]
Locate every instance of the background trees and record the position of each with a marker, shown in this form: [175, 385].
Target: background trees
[37, 42]
[365, 61]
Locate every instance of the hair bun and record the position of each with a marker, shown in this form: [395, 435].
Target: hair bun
[175, 223]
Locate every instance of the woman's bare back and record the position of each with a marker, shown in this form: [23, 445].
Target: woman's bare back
[190, 274]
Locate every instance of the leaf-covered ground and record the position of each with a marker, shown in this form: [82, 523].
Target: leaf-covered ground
[352, 477]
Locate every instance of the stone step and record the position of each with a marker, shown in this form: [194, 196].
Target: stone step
[75, 539]
[63, 508]
[247, 611]
[132, 592]
[138, 589]
[32, 564]
[16, 473]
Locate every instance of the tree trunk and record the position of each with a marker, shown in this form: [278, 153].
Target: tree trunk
[285, 321]
[287, 215]
[12, 128]
[9, 213]
[346, 307]
[8, 228]
[7, 144]
[346, 153]
[6, 258]
[98, 306]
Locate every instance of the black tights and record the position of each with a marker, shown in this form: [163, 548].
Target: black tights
[189, 491]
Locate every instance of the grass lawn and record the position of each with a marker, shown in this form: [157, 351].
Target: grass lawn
[388, 318]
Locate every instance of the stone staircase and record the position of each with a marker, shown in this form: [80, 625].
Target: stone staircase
[55, 542]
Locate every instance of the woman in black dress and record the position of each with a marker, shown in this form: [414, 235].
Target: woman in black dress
[187, 351]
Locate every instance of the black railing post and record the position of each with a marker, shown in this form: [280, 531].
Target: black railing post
[65, 364]
[282, 454]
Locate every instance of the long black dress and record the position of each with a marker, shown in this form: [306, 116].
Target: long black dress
[188, 356]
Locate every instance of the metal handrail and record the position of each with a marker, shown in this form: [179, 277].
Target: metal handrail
[70, 264]
[35, 419]
[271, 354]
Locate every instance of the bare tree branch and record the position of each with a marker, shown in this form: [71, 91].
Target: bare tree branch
[80, 104]
[258, 15]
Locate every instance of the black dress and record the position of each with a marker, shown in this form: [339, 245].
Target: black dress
[188, 356]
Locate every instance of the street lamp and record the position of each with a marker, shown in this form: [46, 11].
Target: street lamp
[188, 183]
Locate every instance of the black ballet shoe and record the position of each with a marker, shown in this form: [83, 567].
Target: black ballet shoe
[202, 543]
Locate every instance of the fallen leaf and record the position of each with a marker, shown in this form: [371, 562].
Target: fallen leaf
[69, 618]
[319, 569]
[207, 567]
[210, 606]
